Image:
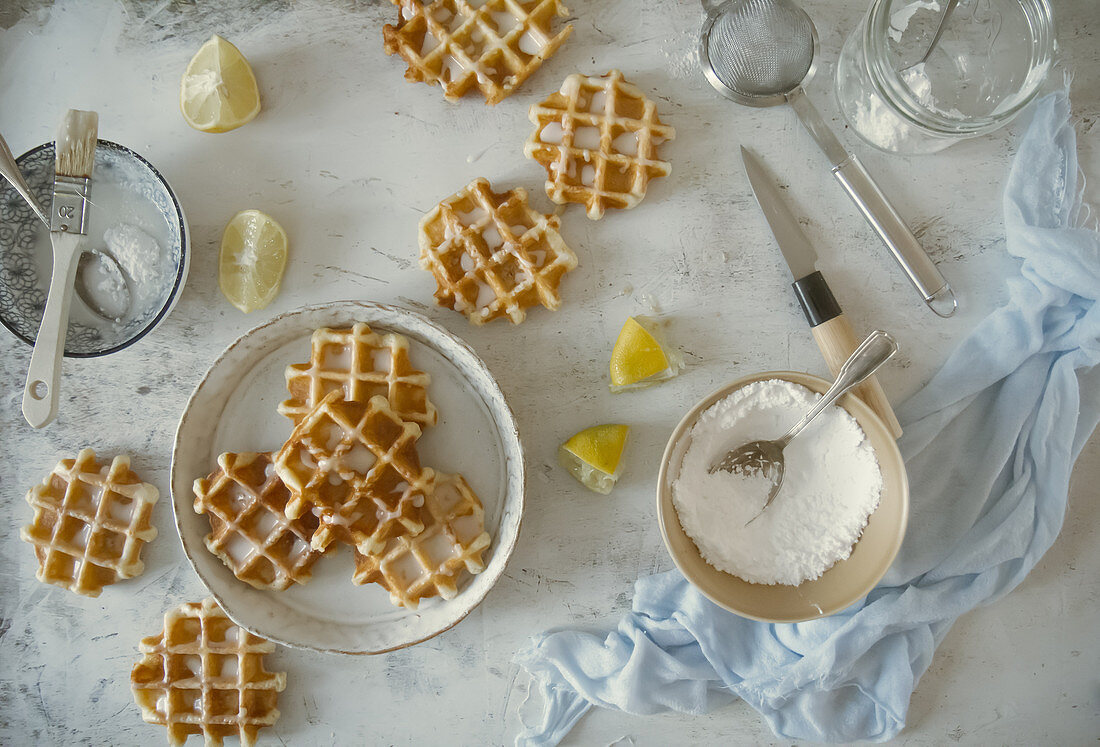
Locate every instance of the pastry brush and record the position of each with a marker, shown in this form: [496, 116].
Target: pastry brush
[74, 152]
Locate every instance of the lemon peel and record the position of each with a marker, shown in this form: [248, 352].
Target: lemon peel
[594, 456]
[639, 359]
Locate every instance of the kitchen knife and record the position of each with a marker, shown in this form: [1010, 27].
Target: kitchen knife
[831, 330]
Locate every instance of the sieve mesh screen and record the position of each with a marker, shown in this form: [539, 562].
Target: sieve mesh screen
[761, 47]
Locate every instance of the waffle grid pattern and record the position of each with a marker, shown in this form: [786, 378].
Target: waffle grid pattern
[492, 254]
[597, 139]
[204, 675]
[90, 523]
[428, 564]
[244, 500]
[362, 364]
[356, 466]
[493, 45]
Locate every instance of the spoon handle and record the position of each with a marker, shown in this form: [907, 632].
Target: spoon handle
[939, 32]
[871, 353]
[837, 341]
[9, 169]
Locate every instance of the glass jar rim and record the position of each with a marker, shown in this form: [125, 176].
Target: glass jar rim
[899, 97]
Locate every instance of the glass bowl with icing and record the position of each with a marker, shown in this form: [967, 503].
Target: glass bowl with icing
[134, 217]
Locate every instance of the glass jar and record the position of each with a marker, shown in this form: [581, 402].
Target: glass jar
[988, 65]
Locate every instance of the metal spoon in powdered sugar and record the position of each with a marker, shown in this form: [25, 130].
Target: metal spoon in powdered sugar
[765, 457]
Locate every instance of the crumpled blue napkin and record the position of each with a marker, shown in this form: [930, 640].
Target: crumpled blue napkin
[989, 444]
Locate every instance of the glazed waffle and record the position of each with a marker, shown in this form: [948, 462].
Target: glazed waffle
[244, 500]
[355, 465]
[597, 139]
[412, 567]
[493, 45]
[204, 675]
[362, 364]
[492, 254]
[90, 522]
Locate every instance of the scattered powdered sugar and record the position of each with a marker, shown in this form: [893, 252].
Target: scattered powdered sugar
[832, 484]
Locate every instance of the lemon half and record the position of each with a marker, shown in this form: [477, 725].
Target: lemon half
[218, 92]
[638, 359]
[594, 456]
[252, 260]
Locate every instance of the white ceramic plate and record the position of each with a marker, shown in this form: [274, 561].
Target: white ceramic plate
[233, 409]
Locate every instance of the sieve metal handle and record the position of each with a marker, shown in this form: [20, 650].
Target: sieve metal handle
[895, 234]
[877, 210]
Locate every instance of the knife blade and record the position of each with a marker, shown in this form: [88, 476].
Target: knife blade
[832, 332]
[796, 248]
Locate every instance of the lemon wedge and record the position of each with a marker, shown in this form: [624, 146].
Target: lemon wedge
[252, 260]
[639, 359]
[594, 456]
[218, 92]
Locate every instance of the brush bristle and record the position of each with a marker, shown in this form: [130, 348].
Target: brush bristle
[75, 145]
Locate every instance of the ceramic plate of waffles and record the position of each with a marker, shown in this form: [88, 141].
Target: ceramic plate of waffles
[348, 478]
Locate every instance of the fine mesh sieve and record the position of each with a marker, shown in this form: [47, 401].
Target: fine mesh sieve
[760, 49]
[760, 53]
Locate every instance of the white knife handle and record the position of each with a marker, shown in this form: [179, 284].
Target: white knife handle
[895, 234]
[40, 396]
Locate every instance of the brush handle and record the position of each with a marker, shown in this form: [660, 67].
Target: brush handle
[40, 396]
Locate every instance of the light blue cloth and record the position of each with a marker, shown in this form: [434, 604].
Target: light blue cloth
[989, 444]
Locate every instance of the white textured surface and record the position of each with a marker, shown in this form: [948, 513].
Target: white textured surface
[347, 156]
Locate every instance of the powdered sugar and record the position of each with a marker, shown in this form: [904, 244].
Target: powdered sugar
[832, 484]
[137, 253]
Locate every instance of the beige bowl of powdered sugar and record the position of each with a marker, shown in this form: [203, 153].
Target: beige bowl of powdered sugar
[831, 533]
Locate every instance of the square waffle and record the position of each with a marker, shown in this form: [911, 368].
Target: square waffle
[597, 139]
[492, 254]
[90, 523]
[361, 363]
[415, 566]
[245, 501]
[493, 45]
[354, 465]
[204, 675]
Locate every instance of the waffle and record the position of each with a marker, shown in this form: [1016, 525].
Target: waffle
[493, 45]
[204, 675]
[90, 522]
[354, 465]
[492, 254]
[597, 139]
[362, 363]
[244, 500]
[428, 564]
